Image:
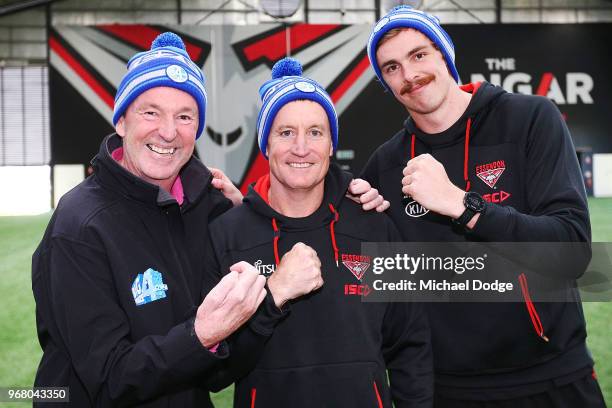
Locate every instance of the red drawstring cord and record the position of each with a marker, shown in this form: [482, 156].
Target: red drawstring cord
[466, 153]
[332, 233]
[276, 237]
[378, 399]
[533, 314]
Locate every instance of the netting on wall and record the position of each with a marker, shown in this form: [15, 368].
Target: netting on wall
[24, 116]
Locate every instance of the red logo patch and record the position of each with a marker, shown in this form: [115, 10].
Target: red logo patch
[356, 290]
[497, 198]
[491, 172]
[357, 264]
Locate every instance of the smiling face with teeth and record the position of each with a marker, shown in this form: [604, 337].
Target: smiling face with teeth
[159, 131]
[299, 147]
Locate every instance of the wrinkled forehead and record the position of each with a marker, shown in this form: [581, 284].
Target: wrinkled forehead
[166, 99]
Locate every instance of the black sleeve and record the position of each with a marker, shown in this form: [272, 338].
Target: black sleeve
[555, 191]
[371, 171]
[407, 353]
[218, 202]
[94, 331]
[246, 344]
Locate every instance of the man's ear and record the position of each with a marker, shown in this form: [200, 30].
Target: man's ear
[120, 126]
[331, 150]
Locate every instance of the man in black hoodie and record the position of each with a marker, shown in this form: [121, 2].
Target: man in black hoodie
[474, 163]
[331, 349]
[125, 313]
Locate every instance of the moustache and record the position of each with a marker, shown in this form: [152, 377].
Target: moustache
[409, 86]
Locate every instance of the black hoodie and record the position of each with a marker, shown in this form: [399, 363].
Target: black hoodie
[516, 151]
[96, 339]
[332, 350]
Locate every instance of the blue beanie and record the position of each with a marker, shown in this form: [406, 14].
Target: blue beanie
[166, 64]
[407, 17]
[288, 85]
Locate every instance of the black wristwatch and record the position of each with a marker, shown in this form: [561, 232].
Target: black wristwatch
[474, 203]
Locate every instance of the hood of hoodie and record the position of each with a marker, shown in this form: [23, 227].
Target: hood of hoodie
[195, 178]
[482, 95]
[336, 185]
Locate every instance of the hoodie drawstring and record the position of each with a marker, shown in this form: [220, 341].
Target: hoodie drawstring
[276, 237]
[466, 152]
[331, 232]
[533, 314]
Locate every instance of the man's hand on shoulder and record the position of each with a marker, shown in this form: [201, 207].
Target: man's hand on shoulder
[222, 183]
[361, 192]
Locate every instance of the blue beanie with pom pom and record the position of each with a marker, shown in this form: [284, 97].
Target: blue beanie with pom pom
[165, 64]
[404, 16]
[288, 85]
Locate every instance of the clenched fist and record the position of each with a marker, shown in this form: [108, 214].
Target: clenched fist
[426, 181]
[298, 274]
[229, 304]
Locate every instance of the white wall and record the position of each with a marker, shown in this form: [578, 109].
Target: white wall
[602, 175]
[26, 190]
[65, 178]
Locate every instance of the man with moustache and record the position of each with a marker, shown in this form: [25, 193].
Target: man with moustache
[332, 349]
[474, 163]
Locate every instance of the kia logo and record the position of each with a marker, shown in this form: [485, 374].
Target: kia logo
[414, 209]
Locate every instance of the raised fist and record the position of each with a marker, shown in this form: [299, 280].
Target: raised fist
[298, 274]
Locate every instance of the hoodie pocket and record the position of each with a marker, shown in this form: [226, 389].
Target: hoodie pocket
[355, 385]
[531, 309]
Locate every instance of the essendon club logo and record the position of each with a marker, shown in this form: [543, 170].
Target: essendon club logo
[357, 264]
[491, 172]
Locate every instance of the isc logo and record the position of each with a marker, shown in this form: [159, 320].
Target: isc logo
[414, 209]
[356, 290]
[498, 197]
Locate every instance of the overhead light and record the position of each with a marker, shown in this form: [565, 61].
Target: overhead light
[280, 8]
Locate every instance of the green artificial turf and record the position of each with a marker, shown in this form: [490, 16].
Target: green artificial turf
[20, 352]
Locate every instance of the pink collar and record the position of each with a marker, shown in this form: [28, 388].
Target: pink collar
[177, 187]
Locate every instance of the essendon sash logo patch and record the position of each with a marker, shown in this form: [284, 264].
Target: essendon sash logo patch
[357, 264]
[491, 172]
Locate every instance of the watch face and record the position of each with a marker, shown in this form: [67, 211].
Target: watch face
[474, 202]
